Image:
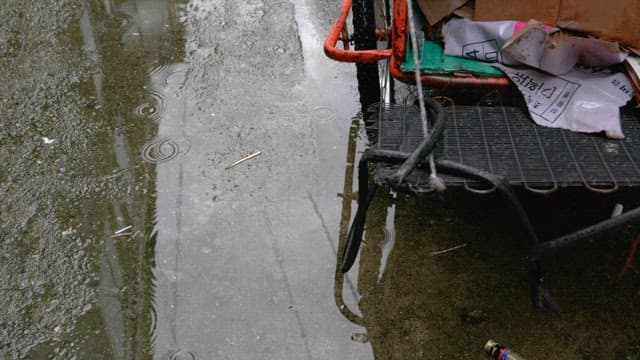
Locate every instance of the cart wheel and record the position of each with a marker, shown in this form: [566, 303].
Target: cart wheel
[364, 37]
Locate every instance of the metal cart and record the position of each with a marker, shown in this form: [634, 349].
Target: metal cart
[485, 145]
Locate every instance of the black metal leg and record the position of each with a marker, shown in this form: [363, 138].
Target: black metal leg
[540, 297]
[630, 217]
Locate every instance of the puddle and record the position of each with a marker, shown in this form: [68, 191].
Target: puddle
[85, 287]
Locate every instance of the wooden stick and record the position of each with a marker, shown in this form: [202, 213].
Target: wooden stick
[447, 250]
[123, 230]
[248, 157]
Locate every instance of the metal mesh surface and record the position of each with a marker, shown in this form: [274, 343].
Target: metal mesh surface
[506, 142]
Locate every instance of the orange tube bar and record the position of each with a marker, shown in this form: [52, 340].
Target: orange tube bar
[355, 56]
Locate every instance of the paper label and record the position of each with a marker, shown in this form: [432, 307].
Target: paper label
[584, 99]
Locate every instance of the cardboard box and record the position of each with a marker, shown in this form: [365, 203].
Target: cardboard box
[617, 20]
[436, 10]
[545, 11]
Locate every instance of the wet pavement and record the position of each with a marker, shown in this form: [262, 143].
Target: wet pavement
[124, 234]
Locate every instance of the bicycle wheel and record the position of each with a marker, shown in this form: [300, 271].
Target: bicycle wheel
[364, 38]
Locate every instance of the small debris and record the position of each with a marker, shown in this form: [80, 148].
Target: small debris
[447, 250]
[61, 169]
[248, 157]
[123, 230]
[360, 337]
[122, 171]
[47, 140]
[617, 210]
[57, 329]
[473, 317]
[69, 231]
[122, 234]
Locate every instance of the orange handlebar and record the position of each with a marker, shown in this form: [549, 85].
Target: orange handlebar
[356, 56]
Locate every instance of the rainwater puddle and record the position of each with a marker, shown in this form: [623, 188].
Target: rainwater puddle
[112, 246]
[88, 288]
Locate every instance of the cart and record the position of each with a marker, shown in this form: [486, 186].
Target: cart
[476, 141]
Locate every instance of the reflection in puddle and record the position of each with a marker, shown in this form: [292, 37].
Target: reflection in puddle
[389, 238]
[108, 47]
[135, 308]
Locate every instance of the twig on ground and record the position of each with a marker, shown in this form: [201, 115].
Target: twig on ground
[447, 250]
[123, 230]
[121, 235]
[248, 157]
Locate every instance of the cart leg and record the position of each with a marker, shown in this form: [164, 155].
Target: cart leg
[539, 296]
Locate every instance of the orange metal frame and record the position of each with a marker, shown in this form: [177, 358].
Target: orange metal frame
[396, 54]
[355, 56]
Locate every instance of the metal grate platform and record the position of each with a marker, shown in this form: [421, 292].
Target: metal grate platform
[506, 142]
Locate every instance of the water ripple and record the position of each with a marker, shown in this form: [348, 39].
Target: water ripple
[182, 355]
[324, 113]
[162, 150]
[163, 72]
[154, 108]
[154, 326]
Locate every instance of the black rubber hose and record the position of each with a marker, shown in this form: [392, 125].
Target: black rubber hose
[436, 112]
